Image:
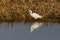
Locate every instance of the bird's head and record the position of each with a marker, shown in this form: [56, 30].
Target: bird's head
[30, 11]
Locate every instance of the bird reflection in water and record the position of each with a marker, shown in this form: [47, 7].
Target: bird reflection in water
[35, 25]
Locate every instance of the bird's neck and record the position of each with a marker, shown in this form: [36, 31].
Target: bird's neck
[31, 13]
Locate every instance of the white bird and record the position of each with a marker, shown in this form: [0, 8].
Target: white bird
[34, 26]
[35, 15]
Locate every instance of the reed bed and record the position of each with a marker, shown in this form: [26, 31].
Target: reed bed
[17, 10]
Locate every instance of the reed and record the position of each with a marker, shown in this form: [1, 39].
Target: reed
[17, 10]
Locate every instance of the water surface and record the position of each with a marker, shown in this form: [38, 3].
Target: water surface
[22, 32]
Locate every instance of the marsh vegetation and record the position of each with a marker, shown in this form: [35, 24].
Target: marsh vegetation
[17, 10]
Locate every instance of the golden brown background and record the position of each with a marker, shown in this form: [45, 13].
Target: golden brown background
[17, 10]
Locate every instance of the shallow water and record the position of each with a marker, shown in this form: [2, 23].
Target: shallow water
[22, 32]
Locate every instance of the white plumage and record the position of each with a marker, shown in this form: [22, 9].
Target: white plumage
[34, 26]
[34, 15]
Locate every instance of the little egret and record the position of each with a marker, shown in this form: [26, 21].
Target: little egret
[34, 15]
[34, 26]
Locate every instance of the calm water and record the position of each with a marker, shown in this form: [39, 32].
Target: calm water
[21, 32]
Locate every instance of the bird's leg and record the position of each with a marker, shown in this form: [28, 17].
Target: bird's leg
[38, 19]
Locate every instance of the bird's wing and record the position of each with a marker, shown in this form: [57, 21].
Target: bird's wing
[37, 15]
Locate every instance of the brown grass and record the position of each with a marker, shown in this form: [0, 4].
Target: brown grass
[17, 10]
